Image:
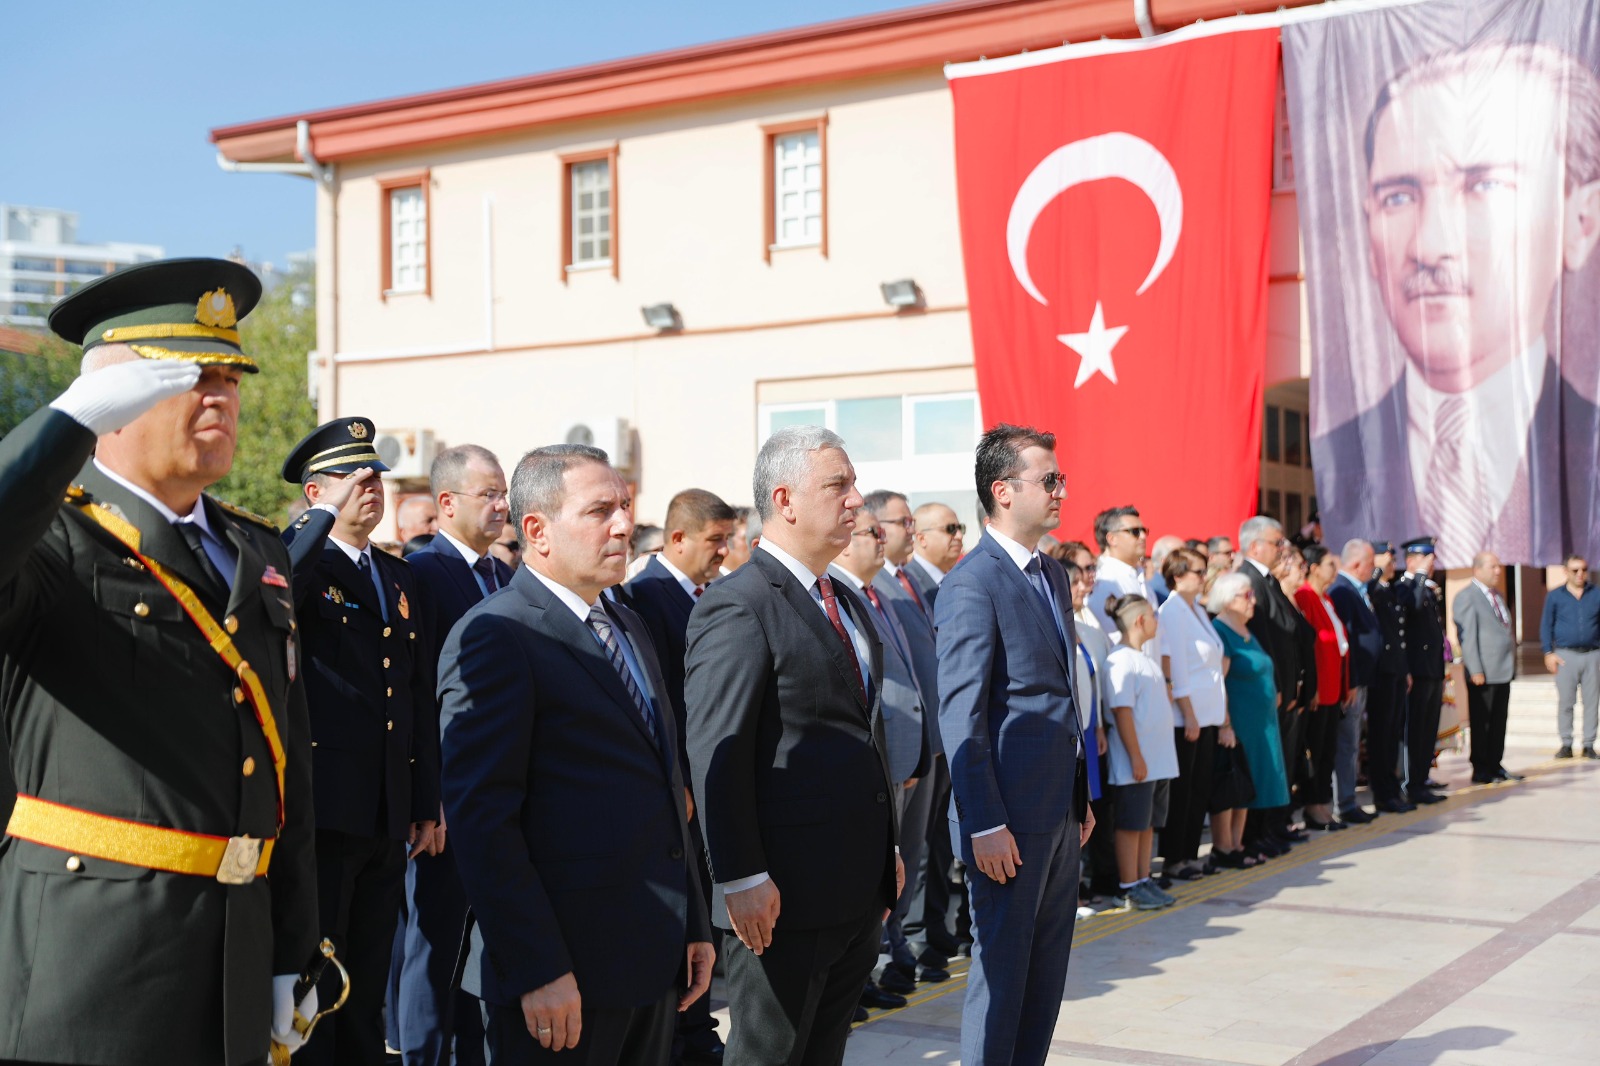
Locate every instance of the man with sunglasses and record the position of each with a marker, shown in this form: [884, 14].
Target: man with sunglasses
[1569, 630]
[1120, 572]
[453, 573]
[939, 540]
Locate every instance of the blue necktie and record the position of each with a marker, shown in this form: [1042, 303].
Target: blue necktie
[601, 624]
[364, 564]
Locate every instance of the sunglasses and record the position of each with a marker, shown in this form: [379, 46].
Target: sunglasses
[1577, 569]
[875, 534]
[1137, 531]
[954, 529]
[1050, 482]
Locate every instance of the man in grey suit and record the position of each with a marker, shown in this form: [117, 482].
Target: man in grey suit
[1012, 733]
[1489, 653]
[783, 691]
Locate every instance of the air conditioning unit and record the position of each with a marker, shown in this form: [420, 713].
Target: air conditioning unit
[406, 452]
[612, 435]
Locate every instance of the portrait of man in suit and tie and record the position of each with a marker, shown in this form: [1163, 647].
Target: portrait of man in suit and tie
[561, 788]
[1480, 200]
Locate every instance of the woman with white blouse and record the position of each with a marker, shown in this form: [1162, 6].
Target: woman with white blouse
[1191, 659]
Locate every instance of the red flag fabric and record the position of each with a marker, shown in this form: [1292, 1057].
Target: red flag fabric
[1114, 212]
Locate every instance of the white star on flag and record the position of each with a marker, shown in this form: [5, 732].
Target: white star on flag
[1094, 347]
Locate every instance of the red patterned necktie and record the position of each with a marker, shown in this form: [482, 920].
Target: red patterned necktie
[831, 605]
[907, 584]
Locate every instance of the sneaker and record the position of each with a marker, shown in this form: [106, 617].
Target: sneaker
[1565, 752]
[1147, 897]
[1162, 894]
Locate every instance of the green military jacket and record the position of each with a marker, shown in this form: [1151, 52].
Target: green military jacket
[111, 701]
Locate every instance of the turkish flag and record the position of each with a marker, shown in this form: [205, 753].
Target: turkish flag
[1114, 216]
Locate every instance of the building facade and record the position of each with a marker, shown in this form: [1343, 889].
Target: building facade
[41, 260]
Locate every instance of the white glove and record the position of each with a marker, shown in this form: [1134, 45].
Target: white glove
[283, 1030]
[109, 398]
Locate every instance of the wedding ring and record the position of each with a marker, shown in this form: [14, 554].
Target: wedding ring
[541, 1030]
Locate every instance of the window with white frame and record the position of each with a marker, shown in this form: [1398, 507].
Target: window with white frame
[591, 213]
[797, 188]
[408, 239]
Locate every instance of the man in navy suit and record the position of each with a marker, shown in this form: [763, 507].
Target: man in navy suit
[694, 544]
[1353, 604]
[561, 785]
[1020, 802]
[374, 733]
[453, 572]
[786, 741]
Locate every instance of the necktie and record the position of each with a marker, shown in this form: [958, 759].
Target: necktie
[190, 532]
[485, 568]
[600, 622]
[1499, 607]
[698, 589]
[909, 585]
[1454, 505]
[364, 564]
[888, 623]
[831, 605]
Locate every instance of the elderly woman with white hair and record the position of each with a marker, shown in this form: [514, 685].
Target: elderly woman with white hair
[1252, 695]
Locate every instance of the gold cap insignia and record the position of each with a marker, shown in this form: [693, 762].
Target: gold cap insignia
[358, 431]
[216, 309]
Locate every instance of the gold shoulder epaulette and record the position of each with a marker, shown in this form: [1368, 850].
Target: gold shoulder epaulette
[77, 494]
[249, 516]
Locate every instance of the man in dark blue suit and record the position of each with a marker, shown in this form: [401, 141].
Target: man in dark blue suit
[563, 794]
[1354, 607]
[454, 572]
[374, 733]
[1010, 724]
[694, 544]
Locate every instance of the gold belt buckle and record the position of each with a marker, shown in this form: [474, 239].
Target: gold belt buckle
[239, 861]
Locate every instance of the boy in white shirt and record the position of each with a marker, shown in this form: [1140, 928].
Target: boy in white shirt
[1142, 756]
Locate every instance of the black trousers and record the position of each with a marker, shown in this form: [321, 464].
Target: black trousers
[1386, 701]
[360, 882]
[1321, 742]
[927, 920]
[1104, 880]
[1291, 732]
[1487, 709]
[1422, 729]
[792, 1005]
[696, 1028]
[1187, 797]
[610, 1036]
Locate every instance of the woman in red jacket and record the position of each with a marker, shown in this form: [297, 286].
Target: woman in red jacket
[1333, 682]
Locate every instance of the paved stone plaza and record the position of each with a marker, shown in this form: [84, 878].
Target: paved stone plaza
[1468, 932]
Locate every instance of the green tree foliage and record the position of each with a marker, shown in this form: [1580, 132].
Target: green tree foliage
[29, 380]
[274, 409]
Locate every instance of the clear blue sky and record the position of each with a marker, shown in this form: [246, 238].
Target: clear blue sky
[110, 103]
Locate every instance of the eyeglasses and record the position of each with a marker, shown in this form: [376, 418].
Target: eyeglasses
[908, 522]
[1577, 569]
[875, 534]
[493, 495]
[1246, 594]
[1050, 482]
[1200, 570]
[954, 529]
[1137, 531]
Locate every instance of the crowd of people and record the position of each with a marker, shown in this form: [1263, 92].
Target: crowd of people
[534, 781]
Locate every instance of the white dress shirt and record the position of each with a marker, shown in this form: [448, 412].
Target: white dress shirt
[928, 568]
[469, 555]
[1114, 578]
[1195, 653]
[679, 576]
[1493, 596]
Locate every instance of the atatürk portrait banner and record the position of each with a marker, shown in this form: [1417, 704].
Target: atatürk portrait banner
[1447, 165]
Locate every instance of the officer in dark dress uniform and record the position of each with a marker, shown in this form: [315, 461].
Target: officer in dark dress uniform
[374, 732]
[157, 877]
[1418, 596]
[1386, 702]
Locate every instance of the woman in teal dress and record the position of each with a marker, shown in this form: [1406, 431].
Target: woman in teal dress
[1252, 690]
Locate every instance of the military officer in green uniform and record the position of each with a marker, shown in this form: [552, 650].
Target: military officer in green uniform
[157, 876]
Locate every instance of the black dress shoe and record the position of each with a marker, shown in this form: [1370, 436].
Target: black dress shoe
[1395, 806]
[933, 975]
[895, 980]
[861, 1014]
[1424, 797]
[1484, 779]
[1590, 753]
[1357, 816]
[1503, 774]
[1324, 827]
[1437, 786]
[1565, 752]
[877, 998]
[1294, 836]
[710, 1055]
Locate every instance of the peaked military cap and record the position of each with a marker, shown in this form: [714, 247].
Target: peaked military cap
[1419, 546]
[1382, 547]
[342, 446]
[182, 309]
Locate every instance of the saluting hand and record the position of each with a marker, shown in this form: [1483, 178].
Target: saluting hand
[753, 913]
[338, 493]
[107, 399]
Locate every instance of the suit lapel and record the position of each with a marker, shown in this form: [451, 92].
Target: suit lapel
[644, 652]
[813, 618]
[681, 601]
[158, 539]
[250, 566]
[355, 584]
[1013, 577]
[456, 565]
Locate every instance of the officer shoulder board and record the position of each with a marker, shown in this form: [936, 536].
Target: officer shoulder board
[248, 516]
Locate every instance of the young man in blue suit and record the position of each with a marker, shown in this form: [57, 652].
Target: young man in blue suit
[563, 794]
[1011, 732]
[694, 545]
[454, 572]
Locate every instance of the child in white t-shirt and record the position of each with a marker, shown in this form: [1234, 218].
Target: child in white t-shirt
[1142, 755]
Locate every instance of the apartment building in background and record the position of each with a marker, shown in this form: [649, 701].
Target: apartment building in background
[41, 260]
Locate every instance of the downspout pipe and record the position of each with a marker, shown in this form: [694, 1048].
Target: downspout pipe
[1141, 18]
[308, 167]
